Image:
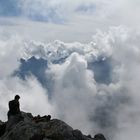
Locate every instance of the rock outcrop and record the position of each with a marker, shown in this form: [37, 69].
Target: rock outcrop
[27, 127]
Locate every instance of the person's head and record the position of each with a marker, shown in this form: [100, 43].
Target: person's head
[17, 97]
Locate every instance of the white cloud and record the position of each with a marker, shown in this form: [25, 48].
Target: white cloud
[77, 26]
[9, 55]
[33, 99]
[74, 89]
[77, 97]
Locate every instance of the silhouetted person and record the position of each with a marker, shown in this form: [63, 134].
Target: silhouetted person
[14, 107]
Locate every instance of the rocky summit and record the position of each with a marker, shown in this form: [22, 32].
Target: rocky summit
[28, 127]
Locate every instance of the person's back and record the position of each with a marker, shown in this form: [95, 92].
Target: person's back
[14, 107]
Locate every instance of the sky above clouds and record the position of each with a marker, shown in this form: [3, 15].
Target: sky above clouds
[79, 59]
[65, 19]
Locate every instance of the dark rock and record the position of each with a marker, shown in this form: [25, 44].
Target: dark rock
[77, 134]
[99, 137]
[57, 130]
[37, 137]
[13, 120]
[2, 128]
[89, 136]
[42, 119]
[40, 128]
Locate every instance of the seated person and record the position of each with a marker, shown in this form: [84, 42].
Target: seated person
[14, 107]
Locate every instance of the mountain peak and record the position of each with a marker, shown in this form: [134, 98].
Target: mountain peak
[28, 127]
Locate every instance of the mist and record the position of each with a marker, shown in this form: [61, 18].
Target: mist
[77, 97]
[86, 62]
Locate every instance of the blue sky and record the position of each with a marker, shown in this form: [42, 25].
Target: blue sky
[9, 8]
[39, 10]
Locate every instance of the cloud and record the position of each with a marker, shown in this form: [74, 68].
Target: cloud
[69, 21]
[40, 10]
[31, 93]
[102, 106]
[73, 84]
[77, 96]
[81, 95]
[9, 54]
[63, 12]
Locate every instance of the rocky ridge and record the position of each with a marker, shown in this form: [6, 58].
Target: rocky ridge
[28, 127]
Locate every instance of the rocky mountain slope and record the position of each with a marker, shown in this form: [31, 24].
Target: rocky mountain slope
[27, 127]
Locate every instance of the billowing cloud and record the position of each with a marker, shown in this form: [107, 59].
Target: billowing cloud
[92, 83]
[33, 97]
[77, 95]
